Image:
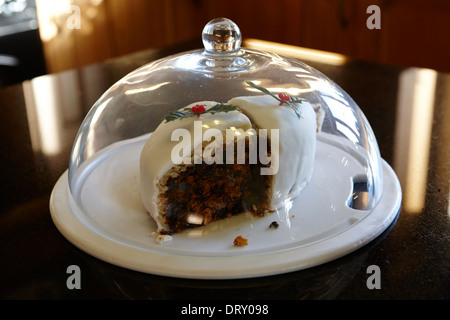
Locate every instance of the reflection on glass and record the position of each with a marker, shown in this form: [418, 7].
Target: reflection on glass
[413, 134]
[345, 119]
[145, 89]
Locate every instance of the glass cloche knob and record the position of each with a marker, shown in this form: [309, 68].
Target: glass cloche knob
[221, 35]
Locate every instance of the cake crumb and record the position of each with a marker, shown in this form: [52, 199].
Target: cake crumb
[239, 241]
[163, 238]
[274, 225]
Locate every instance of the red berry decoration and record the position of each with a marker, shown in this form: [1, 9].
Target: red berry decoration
[284, 97]
[198, 108]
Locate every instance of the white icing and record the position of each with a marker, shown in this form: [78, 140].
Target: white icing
[297, 141]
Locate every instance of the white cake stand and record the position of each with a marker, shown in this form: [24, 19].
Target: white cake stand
[103, 216]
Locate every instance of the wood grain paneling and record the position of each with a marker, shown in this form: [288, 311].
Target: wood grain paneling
[413, 32]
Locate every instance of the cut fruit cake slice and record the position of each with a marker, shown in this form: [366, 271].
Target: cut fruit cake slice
[209, 161]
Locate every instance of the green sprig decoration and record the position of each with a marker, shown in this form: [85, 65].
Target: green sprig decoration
[281, 97]
[198, 110]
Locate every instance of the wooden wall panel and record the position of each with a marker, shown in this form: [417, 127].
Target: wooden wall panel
[72, 37]
[416, 33]
[138, 24]
[413, 32]
[92, 39]
[281, 20]
[340, 26]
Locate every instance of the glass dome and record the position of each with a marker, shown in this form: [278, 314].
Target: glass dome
[331, 194]
[136, 105]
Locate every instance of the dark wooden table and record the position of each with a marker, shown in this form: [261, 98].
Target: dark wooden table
[38, 123]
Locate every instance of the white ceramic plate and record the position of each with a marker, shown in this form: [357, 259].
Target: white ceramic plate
[104, 216]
